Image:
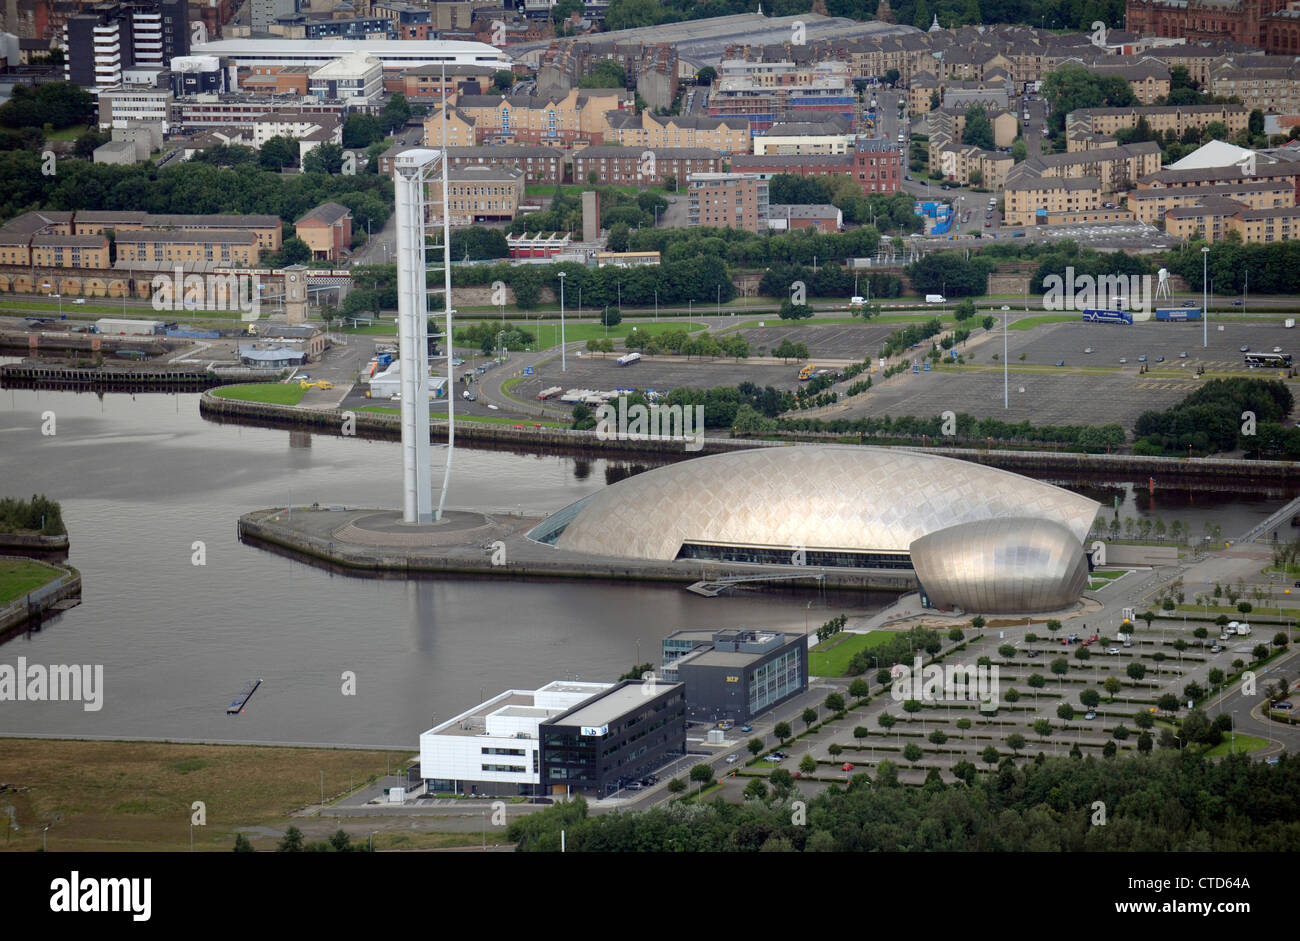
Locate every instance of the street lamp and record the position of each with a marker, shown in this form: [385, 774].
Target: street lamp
[564, 366]
[1205, 296]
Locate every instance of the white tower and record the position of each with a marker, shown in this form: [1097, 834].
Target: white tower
[413, 333]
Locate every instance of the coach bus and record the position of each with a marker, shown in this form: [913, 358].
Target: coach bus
[1107, 316]
[1271, 360]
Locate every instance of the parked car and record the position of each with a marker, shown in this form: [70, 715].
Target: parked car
[469, 396]
[746, 728]
[1276, 349]
[1142, 358]
[1088, 350]
[1216, 649]
[1182, 356]
[772, 757]
[1060, 362]
[82, 300]
[1283, 705]
[1160, 359]
[1113, 650]
[731, 759]
[1245, 348]
[847, 766]
[1090, 714]
[1122, 361]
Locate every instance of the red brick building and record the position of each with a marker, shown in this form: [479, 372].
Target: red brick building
[875, 163]
[1244, 21]
[630, 166]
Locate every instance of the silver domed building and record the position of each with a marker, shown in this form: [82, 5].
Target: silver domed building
[830, 506]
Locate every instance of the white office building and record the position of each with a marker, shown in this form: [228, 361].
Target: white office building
[494, 747]
[121, 105]
[354, 77]
[395, 55]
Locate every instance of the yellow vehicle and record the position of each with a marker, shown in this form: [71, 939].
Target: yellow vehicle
[807, 372]
[303, 384]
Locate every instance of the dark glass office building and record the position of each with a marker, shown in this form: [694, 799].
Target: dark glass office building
[737, 674]
[619, 736]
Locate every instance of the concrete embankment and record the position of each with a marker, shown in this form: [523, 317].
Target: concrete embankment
[34, 545]
[34, 605]
[527, 435]
[47, 375]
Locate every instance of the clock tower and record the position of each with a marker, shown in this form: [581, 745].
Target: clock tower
[295, 294]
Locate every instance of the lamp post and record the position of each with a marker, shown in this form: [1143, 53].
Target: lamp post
[1205, 296]
[564, 366]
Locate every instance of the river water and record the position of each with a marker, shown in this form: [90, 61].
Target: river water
[143, 478]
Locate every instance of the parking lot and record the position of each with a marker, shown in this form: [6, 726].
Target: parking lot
[1107, 392]
[602, 373]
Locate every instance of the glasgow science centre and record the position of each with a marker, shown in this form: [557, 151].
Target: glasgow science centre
[977, 538]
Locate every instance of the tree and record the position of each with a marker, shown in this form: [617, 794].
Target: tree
[1143, 720]
[912, 752]
[701, 773]
[1136, 671]
[834, 702]
[619, 238]
[1060, 666]
[677, 785]
[1245, 607]
[835, 750]
[1113, 685]
[1167, 703]
[610, 317]
[1065, 711]
[1280, 639]
[938, 737]
[964, 724]
[911, 705]
[1082, 653]
[782, 731]
[859, 688]
[292, 842]
[808, 764]
[886, 720]
[756, 789]
[755, 745]
[964, 771]
[361, 130]
[1018, 150]
[1042, 728]
[242, 845]
[324, 158]
[978, 131]
[989, 755]
[503, 79]
[1144, 742]
[781, 779]
[396, 113]
[1090, 698]
[860, 732]
[921, 15]
[1015, 741]
[277, 153]
[1036, 680]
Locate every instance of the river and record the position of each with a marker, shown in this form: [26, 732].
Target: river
[143, 478]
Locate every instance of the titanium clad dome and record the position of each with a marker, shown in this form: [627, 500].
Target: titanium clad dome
[1002, 566]
[815, 496]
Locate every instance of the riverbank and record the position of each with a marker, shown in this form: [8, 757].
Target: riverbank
[30, 589]
[528, 436]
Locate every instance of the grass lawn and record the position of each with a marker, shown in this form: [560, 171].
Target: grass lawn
[1244, 743]
[483, 419]
[112, 796]
[19, 576]
[831, 657]
[273, 393]
[548, 334]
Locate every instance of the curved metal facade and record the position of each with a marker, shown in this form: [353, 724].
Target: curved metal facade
[815, 496]
[1002, 566]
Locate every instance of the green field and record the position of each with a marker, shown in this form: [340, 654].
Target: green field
[272, 393]
[831, 657]
[1245, 743]
[482, 419]
[1028, 323]
[19, 576]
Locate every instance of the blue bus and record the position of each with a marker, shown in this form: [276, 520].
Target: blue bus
[1107, 316]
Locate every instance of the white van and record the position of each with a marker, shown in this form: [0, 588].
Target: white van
[935, 299]
[1243, 629]
[857, 301]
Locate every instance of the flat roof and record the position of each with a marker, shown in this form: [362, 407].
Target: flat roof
[718, 658]
[604, 709]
